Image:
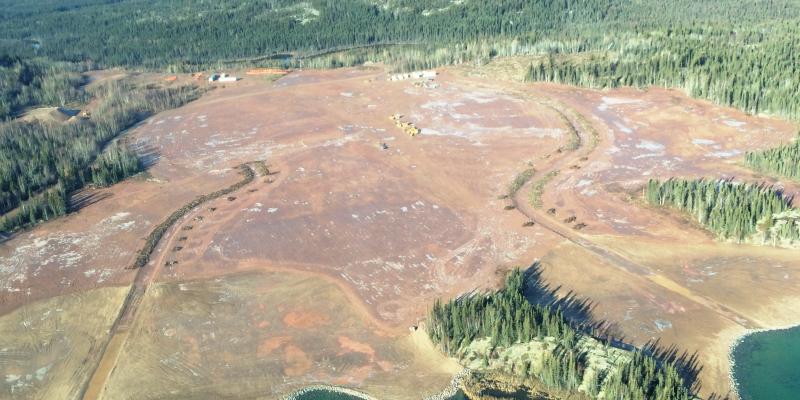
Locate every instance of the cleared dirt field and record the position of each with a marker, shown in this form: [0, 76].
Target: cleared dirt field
[315, 272]
[260, 334]
[48, 348]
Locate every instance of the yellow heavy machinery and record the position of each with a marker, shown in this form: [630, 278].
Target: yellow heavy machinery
[407, 127]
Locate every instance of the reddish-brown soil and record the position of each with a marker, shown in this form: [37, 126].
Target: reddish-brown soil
[305, 319]
[314, 273]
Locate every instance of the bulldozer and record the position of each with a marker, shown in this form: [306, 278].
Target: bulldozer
[407, 127]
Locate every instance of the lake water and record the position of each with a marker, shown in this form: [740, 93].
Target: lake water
[767, 365]
[322, 394]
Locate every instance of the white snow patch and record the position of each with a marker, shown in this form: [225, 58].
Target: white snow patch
[622, 128]
[733, 123]
[650, 145]
[705, 142]
[613, 101]
[725, 154]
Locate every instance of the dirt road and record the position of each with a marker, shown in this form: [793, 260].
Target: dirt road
[144, 278]
[586, 144]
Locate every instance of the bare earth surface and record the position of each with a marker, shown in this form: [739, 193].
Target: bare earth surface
[316, 272]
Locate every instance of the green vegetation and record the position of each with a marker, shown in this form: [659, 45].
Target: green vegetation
[37, 82]
[143, 255]
[117, 162]
[519, 181]
[41, 162]
[506, 319]
[537, 190]
[737, 211]
[752, 68]
[182, 33]
[743, 54]
[783, 160]
[574, 137]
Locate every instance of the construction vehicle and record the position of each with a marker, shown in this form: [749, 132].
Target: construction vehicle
[407, 127]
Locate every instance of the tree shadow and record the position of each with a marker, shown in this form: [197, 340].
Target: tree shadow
[579, 311]
[86, 197]
[147, 153]
[687, 364]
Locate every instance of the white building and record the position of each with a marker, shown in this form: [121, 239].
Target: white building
[228, 78]
[413, 75]
[222, 78]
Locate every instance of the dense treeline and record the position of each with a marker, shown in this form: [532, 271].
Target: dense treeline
[157, 33]
[743, 54]
[117, 162]
[736, 211]
[31, 82]
[46, 205]
[39, 156]
[753, 69]
[506, 317]
[783, 160]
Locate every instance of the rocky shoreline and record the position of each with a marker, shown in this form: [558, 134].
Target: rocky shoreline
[448, 392]
[335, 389]
[732, 348]
[451, 389]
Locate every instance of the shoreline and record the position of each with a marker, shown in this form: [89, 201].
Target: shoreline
[330, 388]
[738, 340]
[446, 393]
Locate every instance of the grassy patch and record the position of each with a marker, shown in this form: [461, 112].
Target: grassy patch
[519, 181]
[538, 188]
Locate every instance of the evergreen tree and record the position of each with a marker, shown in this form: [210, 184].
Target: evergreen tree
[507, 318]
[783, 160]
[736, 211]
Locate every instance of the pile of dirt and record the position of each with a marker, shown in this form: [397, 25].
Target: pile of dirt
[50, 114]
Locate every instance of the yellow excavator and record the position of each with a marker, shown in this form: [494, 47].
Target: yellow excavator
[407, 127]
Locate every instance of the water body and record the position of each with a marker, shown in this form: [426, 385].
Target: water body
[322, 394]
[767, 365]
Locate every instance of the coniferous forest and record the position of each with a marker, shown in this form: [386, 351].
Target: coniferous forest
[742, 54]
[749, 69]
[735, 211]
[783, 160]
[507, 318]
[42, 162]
[30, 82]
